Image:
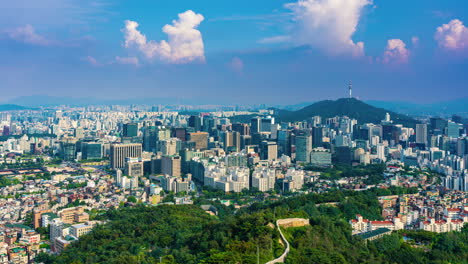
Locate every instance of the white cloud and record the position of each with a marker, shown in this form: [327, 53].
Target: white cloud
[127, 60]
[274, 40]
[91, 60]
[328, 24]
[184, 44]
[28, 35]
[415, 41]
[396, 52]
[452, 36]
[236, 65]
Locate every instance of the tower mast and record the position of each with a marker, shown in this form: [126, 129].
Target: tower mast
[350, 90]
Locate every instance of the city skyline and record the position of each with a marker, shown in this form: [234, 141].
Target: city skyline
[235, 52]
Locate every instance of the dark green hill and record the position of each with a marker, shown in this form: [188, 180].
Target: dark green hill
[12, 107]
[352, 108]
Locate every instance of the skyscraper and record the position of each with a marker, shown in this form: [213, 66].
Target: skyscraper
[130, 130]
[421, 134]
[254, 125]
[303, 146]
[195, 122]
[119, 152]
[171, 165]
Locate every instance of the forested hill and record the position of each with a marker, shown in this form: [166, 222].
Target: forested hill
[186, 234]
[350, 107]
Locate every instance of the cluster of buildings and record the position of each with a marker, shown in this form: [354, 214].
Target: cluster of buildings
[429, 210]
[98, 156]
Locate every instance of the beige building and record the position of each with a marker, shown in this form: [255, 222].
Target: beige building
[170, 165]
[73, 215]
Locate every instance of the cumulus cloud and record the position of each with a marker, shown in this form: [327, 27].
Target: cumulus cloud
[184, 44]
[396, 52]
[452, 36]
[328, 24]
[28, 35]
[127, 60]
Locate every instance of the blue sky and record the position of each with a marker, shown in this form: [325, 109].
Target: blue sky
[263, 51]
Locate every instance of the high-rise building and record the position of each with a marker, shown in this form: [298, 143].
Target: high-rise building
[130, 130]
[266, 124]
[453, 130]
[195, 123]
[119, 153]
[68, 150]
[317, 137]
[421, 134]
[91, 150]
[268, 150]
[255, 125]
[303, 146]
[200, 139]
[438, 125]
[170, 146]
[231, 140]
[171, 165]
[180, 133]
[243, 129]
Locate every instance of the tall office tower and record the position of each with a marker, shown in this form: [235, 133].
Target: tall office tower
[130, 130]
[381, 152]
[200, 139]
[266, 124]
[180, 133]
[195, 122]
[284, 142]
[78, 133]
[68, 150]
[231, 140]
[317, 137]
[255, 125]
[171, 165]
[457, 119]
[119, 152]
[243, 129]
[268, 150]
[303, 146]
[438, 125]
[170, 146]
[421, 134]
[149, 139]
[453, 130]
[462, 147]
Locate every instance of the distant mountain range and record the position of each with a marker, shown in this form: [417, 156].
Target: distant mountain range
[353, 108]
[458, 106]
[45, 100]
[12, 107]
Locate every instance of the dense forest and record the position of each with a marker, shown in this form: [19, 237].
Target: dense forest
[186, 234]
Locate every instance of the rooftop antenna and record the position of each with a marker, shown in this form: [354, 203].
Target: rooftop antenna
[350, 90]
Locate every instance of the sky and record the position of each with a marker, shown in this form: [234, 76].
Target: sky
[239, 52]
